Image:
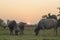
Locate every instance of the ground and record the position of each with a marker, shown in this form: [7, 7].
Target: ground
[29, 35]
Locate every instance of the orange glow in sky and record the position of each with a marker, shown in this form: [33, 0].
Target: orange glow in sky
[29, 11]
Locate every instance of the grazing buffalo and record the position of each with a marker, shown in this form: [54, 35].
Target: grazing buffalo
[21, 26]
[46, 24]
[12, 25]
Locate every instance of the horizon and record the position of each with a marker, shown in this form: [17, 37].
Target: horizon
[29, 11]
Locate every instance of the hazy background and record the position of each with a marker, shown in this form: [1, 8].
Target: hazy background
[29, 11]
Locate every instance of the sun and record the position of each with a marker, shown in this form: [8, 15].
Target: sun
[28, 23]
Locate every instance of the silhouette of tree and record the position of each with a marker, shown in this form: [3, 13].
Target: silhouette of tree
[54, 16]
[59, 9]
[44, 16]
[49, 16]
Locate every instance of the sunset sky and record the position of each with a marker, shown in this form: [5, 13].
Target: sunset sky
[29, 11]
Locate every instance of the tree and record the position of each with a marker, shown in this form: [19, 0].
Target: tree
[44, 16]
[59, 9]
[51, 16]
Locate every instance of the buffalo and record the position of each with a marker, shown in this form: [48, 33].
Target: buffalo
[16, 27]
[46, 24]
[12, 25]
[21, 26]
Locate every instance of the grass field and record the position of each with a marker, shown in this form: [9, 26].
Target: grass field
[29, 35]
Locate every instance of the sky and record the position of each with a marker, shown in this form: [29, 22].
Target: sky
[29, 11]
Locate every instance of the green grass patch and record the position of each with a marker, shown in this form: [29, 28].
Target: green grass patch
[29, 35]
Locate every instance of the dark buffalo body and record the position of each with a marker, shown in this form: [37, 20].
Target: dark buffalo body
[46, 24]
[12, 25]
[21, 26]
